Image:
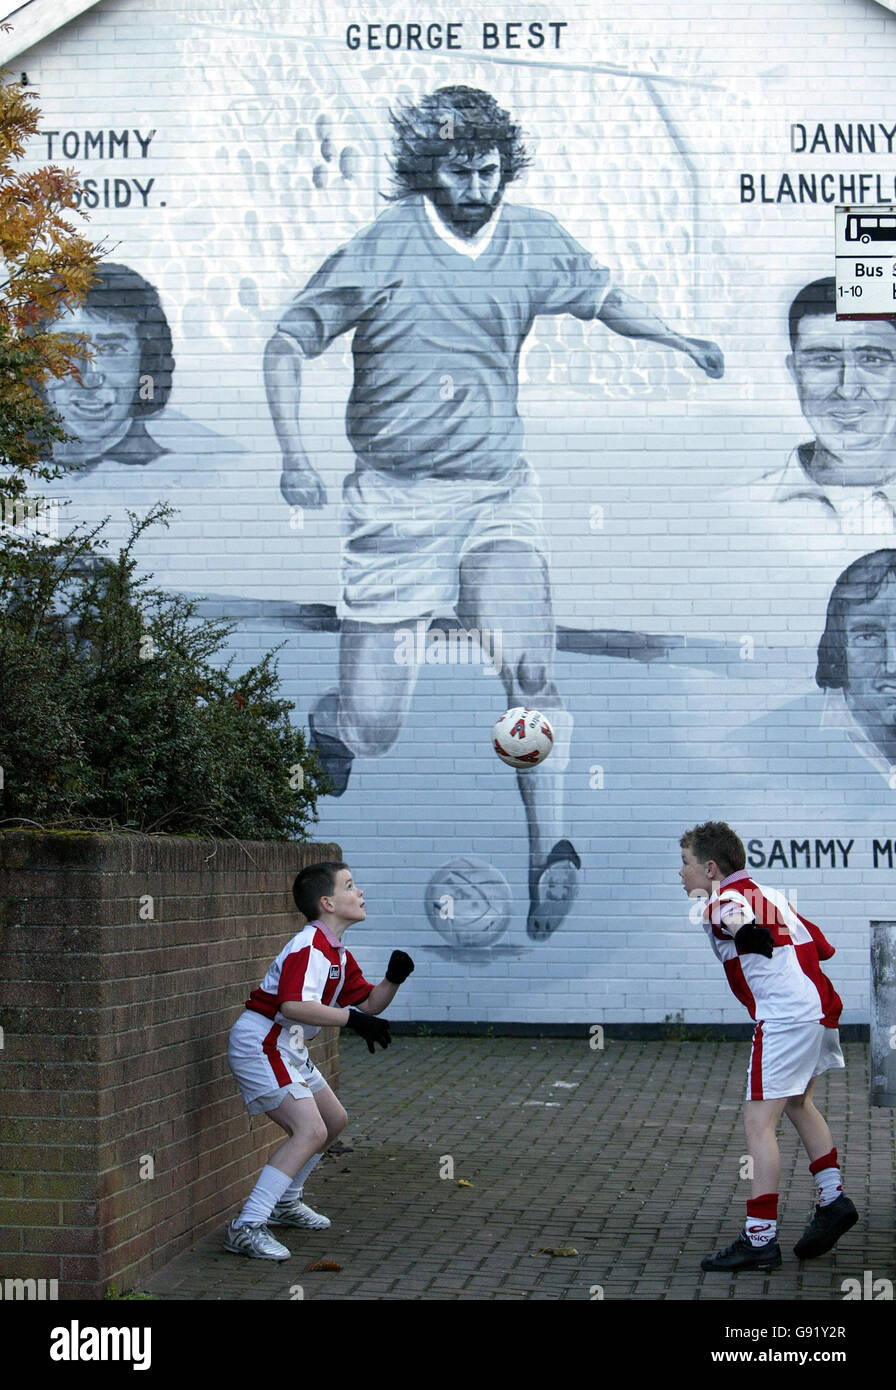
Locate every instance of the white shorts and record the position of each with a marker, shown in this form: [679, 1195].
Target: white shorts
[786, 1056]
[269, 1064]
[404, 539]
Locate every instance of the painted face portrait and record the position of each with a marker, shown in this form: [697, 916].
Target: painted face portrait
[99, 409]
[870, 631]
[845, 375]
[468, 189]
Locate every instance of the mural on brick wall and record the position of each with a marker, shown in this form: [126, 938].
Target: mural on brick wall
[851, 720]
[128, 378]
[442, 515]
[126, 455]
[845, 378]
[495, 361]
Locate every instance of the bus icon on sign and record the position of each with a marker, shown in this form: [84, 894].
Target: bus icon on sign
[867, 228]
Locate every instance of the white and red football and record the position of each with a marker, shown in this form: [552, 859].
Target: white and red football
[523, 737]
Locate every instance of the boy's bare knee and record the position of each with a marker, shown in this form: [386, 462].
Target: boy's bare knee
[336, 1125]
[317, 1134]
[762, 1116]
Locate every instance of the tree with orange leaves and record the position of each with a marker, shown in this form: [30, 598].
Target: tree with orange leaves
[46, 268]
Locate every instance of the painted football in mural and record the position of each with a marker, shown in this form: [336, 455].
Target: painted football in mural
[523, 737]
[468, 902]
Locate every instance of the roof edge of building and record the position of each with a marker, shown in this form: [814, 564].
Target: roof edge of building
[35, 20]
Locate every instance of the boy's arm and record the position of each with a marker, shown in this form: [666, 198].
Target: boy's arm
[739, 922]
[381, 996]
[321, 1014]
[315, 1013]
[732, 916]
[631, 318]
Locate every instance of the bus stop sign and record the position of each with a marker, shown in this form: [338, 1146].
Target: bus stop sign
[866, 262]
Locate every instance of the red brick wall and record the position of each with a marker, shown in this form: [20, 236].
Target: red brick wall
[123, 962]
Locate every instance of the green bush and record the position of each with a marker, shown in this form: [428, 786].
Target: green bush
[115, 714]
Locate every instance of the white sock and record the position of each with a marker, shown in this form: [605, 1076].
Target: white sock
[264, 1197]
[761, 1230]
[294, 1192]
[829, 1185]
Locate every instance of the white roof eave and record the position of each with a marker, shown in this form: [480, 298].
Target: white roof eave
[33, 21]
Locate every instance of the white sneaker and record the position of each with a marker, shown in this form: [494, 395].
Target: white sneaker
[298, 1214]
[255, 1240]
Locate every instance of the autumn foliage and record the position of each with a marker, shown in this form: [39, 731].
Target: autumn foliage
[118, 709]
[46, 267]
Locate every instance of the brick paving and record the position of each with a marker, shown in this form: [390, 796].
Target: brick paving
[634, 1162]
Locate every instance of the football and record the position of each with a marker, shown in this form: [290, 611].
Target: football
[523, 737]
[468, 901]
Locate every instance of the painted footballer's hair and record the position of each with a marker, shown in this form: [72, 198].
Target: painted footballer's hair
[859, 583]
[120, 295]
[818, 298]
[716, 840]
[462, 120]
[313, 883]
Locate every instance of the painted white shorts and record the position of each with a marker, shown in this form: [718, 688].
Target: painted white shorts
[786, 1056]
[268, 1064]
[404, 539]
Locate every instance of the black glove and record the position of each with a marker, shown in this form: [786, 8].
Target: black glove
[399, 968]
[754, 941]
[372, 1029]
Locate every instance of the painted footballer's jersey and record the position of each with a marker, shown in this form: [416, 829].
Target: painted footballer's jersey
[788, 988]
[313, 966]
[437, 335]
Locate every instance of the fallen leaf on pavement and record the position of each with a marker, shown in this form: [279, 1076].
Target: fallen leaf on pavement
[557, 1250]
[323, 1266]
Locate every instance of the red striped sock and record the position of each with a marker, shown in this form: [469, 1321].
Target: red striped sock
[828, 1179]
[762, 1219]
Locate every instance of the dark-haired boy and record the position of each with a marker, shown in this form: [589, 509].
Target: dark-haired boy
[314, 981]
[771, 958]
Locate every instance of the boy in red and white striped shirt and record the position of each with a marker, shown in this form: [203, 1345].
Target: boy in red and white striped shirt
[771, 957]
[313, 981]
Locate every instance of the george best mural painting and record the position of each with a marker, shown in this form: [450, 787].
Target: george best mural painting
[440, 294]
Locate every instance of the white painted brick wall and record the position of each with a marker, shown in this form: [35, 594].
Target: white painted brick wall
[235, 226]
